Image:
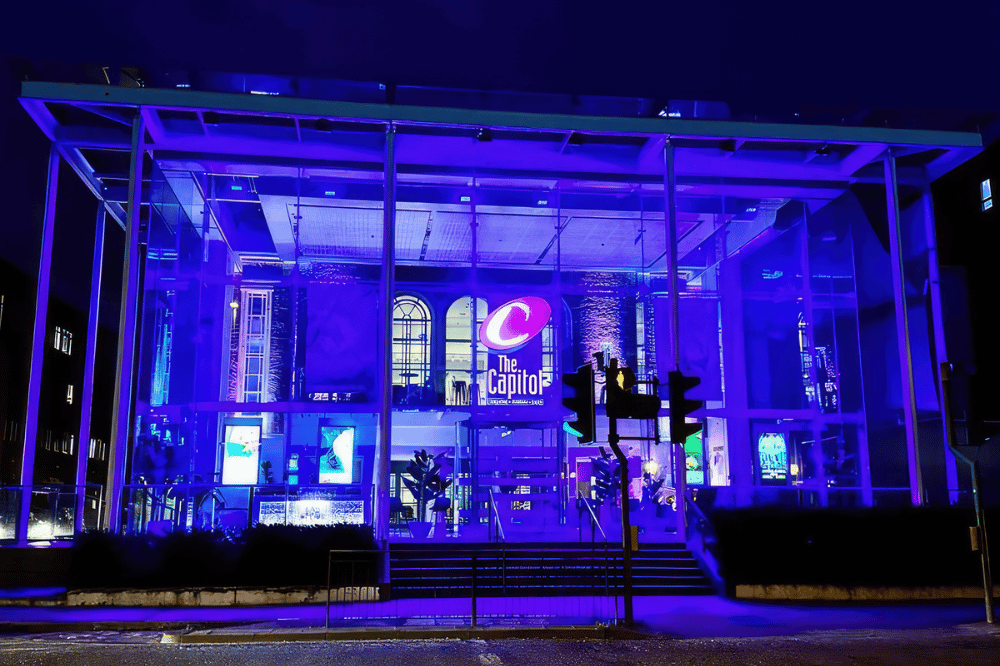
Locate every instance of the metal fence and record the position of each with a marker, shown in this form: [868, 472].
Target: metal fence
[493, 587]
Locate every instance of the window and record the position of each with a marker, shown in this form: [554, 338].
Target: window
[69, 394]
[986, 194]
[411, 342]
[459, 331]
[255, 339]
[63, 341]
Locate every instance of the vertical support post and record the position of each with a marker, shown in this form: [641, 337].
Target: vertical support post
[940, 342]
[39, 340]
[474, 368]
[816, 409]
[903, 331]
[388, 287]
[670, 187]
[121, 424]
[741, 465]
[864, 453]
[87, 392]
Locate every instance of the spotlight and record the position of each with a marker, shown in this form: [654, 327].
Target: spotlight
[484, 134]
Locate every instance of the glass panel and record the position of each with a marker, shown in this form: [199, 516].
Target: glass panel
[261, 314]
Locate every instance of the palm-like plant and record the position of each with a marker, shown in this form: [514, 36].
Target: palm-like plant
[425, 482]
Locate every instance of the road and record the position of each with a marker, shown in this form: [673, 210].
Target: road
[965, 645]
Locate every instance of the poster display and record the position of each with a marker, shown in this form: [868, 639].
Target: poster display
[772, 452]
[336, 454]
[242, 454]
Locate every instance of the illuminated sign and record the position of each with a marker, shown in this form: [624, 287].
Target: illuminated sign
[512, 324]
[509, 381]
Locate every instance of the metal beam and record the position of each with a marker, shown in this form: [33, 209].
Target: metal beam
[39, 342]
[675, 127]
[121, 425]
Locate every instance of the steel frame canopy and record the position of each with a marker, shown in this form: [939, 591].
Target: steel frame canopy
[238, 132]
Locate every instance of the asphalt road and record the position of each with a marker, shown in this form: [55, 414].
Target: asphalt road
[965, 645]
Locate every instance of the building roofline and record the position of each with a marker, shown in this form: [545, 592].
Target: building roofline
[674, 127]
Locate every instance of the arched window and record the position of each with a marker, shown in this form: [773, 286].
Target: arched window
[459, 331]
[411, 342]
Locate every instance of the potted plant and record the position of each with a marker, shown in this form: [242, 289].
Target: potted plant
[427, 487]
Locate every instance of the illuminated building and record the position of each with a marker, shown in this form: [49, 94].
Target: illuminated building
[319, 288]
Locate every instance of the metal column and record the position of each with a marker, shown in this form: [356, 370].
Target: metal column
[940, 342]
[121, 424]
[388, 286]
[39, 340]
[903, 331]
[669, 186]
[87, 393]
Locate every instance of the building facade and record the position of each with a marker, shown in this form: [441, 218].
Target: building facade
[355, 312]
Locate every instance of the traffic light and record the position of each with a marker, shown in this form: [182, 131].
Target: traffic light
[681, 406]
[578, 395]
[621, 403]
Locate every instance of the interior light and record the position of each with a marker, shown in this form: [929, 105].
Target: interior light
[236, 187]
[543, 202]
[650, 467]
[466, 199]
[751, 210]
[330, 193]
[234, 305]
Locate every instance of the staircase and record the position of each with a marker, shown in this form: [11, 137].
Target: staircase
[540, 570]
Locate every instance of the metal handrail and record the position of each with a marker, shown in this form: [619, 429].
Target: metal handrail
[593, 516]
[496, 514]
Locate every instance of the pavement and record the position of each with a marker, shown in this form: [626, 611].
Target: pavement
[662, 617]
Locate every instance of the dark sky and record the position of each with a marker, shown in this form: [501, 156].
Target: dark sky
[752, 54]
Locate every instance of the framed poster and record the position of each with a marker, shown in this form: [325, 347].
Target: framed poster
[336, 454]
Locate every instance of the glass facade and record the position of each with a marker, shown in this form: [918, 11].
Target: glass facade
[283, 351]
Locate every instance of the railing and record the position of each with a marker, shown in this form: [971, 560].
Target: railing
[449, 585]
[593, 520]
[53, 510]
[495, 520]
[232, 508]
[702, 538]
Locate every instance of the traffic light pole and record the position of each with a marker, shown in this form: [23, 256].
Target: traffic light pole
[613, 439]
[983, 545]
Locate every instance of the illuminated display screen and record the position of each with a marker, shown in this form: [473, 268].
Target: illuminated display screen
[773, 455]
[242, 455]
[336, 454]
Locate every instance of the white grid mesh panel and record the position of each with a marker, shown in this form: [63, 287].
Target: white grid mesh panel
[451, 237]
[515, 239]
[339, 232]
[411, 227]
[601, 242]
